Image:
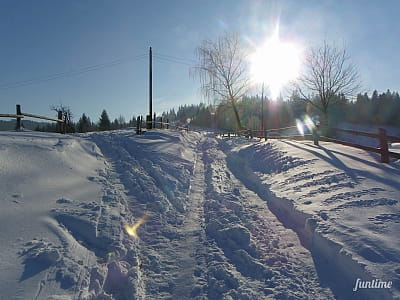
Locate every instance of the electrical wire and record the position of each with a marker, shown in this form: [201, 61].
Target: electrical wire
[175, 58]
[70, 73]
[159, 56]
[171, 61]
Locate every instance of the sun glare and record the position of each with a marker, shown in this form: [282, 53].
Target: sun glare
[275, 63]
[132, 230]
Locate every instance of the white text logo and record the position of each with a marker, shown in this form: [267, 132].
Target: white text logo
[374, 284]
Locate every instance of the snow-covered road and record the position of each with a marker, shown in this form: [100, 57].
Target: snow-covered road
[225, 218]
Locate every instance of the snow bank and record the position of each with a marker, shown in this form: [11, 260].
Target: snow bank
[341, 201]
[41, 173]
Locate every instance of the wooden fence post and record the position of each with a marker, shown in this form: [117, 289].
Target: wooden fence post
[315, 134]
[65, 123]
[149, 122]
[138, 125]
[167, 123]
[59, 124]
[384, 146]
[161, 123]
[18, 127]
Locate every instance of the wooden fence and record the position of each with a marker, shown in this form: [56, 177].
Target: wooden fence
[149, 124]
[20, 115]
[381, 136]
[282, 133]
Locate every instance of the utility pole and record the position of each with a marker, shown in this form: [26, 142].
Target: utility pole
[262, 110]
[149, 120]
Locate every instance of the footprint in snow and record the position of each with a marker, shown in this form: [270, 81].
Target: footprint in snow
[64, 201]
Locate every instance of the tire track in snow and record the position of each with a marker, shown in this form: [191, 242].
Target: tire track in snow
[172, 251]
[191, 252]
[265, 258]
[119, 273]
[154, 184]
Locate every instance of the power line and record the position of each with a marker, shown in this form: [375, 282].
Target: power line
[159, 56]
[177, 60]
[171, 60]
[70, 73]
[180, 59]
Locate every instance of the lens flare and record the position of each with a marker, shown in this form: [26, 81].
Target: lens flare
[308, 122]
[300, 127]
[305, 123]
[132, 230]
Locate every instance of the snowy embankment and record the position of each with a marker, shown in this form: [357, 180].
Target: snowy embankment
[45, 193]
[220, 218]
[342, 202]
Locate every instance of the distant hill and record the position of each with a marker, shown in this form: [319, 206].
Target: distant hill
[28, 124]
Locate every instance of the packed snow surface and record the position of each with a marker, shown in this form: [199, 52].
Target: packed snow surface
[209, 218]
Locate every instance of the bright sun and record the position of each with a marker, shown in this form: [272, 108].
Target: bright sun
[275, 63]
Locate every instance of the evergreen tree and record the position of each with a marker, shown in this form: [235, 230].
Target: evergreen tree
[132, 122]
[104, 122]
[115, 124]
[374, 97]
[84, 124]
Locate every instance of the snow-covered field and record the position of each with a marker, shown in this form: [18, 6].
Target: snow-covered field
[223, 218]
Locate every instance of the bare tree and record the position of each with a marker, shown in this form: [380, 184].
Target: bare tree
[222, 70]
[66, 116]
[328, 75]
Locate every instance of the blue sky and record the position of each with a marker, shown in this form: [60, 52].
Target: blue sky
[42, 38]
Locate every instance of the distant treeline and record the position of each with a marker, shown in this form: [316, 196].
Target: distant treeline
[84, 124]
[276, 114]
[379, 109]
[28, 124]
